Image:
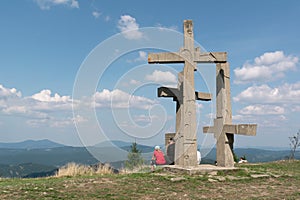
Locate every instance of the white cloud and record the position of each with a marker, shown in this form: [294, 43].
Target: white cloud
[286, 93]
[161, 27]
[39, 108]
[210, 116]
[21, 110]
[56, 122]
[5, 92]
[134, 82]
[270, 66]
[120, 99]
[67, 121]
[261, 120]
[45, 96]
[142, 56]
[199, 106]
[74, 4]
[245, 118]
[15, 109]
[37, 122]
[96, 14]
[129, 27]
[262, 110]
[47, 4]
[144, 118]
[78, 119]
[296, 109]
[45, 109]
[43, 101]
[162, 77]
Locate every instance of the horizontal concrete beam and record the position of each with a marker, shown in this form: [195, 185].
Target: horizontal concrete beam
[208, 129]
[240, 129]
[175, 93]
[170, 57]
[203, 96]
[211, 57]
[165, 57]
[168, 92]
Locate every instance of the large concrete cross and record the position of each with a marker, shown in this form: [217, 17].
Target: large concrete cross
[177, 95]
[223, 128]
[186, 137]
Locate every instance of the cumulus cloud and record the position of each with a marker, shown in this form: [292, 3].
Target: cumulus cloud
[262, 110]
[36, 109]
[54, 110]
[8, 93]
[129, 27]
[44, 101]
[267, 67]
[162, 77]
[120, 99]
[47, 4]
[286, 93]
[45, 96]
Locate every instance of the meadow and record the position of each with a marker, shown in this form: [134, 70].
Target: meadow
[272, 180]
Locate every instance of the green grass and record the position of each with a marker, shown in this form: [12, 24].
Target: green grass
[160, 185]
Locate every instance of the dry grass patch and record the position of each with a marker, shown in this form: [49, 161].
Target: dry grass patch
[73, 169]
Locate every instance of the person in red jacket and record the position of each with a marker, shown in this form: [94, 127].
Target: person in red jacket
[158, 158]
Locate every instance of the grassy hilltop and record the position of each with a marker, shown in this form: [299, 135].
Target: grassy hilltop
[273, 180]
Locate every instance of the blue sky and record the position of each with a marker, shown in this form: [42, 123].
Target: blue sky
[46, 45]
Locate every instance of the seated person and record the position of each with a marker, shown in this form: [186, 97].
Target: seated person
[158, 158]
[242, 160]
[198, 157]
[171, 151]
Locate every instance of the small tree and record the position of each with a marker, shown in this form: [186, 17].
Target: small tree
[294, 143]
[134, 157]
[235, 158]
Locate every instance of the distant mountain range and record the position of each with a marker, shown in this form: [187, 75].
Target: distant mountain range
[124, 145]
[110, 143]
[31, 144]
[41, 158]
[27, 170]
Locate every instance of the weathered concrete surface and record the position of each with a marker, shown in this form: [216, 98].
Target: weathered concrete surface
[185, 97]
[185, 138]
[177, 95]
[199, 169]
[223, 128]
[174, 57]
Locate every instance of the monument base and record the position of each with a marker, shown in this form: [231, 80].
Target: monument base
[199, 169]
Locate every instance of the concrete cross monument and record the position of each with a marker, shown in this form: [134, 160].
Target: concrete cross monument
[223, 128]
[177, 95]
[186, 137]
